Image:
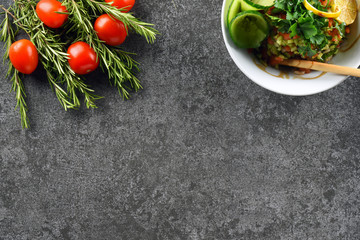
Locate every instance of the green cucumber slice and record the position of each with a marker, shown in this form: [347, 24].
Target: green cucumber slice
[256, 4]
[234, 9]
[248, 29]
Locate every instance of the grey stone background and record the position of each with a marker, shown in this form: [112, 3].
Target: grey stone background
[201, 153]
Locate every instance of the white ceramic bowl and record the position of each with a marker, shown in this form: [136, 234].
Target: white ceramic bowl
[289, 83]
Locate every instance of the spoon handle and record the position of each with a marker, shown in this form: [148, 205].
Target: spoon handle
[325, 67]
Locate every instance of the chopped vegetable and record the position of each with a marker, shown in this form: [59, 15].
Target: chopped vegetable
[255, 26]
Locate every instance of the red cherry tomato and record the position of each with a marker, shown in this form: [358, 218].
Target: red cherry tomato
[110, 30]
[24, 56]
[82, 58]
[124, 4]
[46, 11]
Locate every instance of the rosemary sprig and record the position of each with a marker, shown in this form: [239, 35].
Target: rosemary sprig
[18, 88]
[117, 63]
[142, 28]
[52, 47]
[53, 57]
[8, 36]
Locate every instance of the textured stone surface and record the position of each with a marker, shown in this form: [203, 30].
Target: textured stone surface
[201, 153]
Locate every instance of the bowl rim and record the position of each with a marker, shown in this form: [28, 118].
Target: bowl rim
[259, 82]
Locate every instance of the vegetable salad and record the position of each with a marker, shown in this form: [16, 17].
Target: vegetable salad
[299, 33]
[275, 30]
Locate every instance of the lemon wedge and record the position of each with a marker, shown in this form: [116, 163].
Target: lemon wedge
[336, 14]
[348, 10]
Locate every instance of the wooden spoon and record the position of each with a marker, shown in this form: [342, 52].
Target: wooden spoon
[325, 67]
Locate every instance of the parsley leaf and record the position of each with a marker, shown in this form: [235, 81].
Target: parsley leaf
[293, 30]
[306, 25]
[318, 39]
[281, 4]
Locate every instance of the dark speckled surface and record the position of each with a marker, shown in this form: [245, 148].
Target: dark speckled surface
[200, 153]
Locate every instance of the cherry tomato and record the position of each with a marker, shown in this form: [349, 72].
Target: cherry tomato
[110, 30]
[82, 58]
[124, 4]
[46, 11]
[24, 56]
